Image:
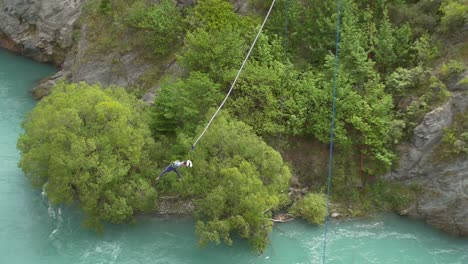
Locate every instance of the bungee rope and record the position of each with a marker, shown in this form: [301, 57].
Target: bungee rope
[237, 76]
[285, 42]
[332, 130]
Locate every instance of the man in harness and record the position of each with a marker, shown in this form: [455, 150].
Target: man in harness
[173, 167]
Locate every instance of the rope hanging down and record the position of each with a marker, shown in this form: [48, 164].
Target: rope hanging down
[332, 129]
[237, 76]
[285, 43]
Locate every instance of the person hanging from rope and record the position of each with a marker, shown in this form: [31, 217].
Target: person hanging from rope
[173, 167]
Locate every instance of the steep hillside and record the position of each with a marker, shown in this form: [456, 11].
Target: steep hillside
[401, 140]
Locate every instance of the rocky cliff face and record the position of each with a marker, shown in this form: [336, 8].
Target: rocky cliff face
[443, 200]
[48, 31]
[40, 29]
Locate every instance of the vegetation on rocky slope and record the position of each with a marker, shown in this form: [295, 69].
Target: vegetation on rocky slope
[387, 82]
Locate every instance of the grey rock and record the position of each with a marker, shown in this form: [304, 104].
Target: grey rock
[42, 29]
[111, 67]
[443, 201]
[453, 82]
[430, 130]
[460, 102]
[241, 6]
[173, 71]
[335, 215]
[174, 206]
[44, 88]
[404, 212]
[148, 98]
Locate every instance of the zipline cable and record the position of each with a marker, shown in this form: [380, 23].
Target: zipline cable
[237, 76]
[332, 129]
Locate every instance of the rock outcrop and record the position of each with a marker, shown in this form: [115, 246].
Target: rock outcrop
[443, 199]
[40, 29]
[110, 67]
[48, 31]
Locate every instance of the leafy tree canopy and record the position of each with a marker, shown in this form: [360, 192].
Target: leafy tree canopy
[181, 105]
[90, 145]
[238, 180]
[161, 25]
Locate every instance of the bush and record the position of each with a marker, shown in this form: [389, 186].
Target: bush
[455, 15]
[454, 140]
[213, 15]
[453, 67]
[90, 145]
[426, 49]
[312, 208]
[180, 106]
[431, 95]
[388, 196]
[404, 81]
[463, 82]
[105, 7]
[217, 53]
[161, 25]
[238, 180]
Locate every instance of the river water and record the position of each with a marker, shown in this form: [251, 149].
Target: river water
[33, 232]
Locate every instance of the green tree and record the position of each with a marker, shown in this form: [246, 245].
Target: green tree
[364, 110]
[405, 81]
[238, 180]
[90, 145]
[160, 25]
[217, 53]
[426, 49]
[310, 28]
[181, 105]
[105, 7]
[384, 46]
[259, 95]
[455, 15]
[217, 41]
[214, 15]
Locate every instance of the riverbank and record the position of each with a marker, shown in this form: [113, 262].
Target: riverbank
[82, 39]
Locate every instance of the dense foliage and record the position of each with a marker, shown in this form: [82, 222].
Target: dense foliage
[90, 145]
[240, 181]
[455, 140]
[161, 26]
[195, 95]
[312, 208]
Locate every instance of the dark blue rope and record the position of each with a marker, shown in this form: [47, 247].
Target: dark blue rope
[332, 130]
[285, 43]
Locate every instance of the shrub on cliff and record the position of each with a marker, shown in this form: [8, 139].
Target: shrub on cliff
[181, 105]
[90, 145]
[312, 208]
[161, 25]
[454, 15]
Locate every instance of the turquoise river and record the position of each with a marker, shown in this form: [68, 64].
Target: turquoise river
[33, 232]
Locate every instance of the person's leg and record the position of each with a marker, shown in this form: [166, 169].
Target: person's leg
[166, 170]
[178, 174]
